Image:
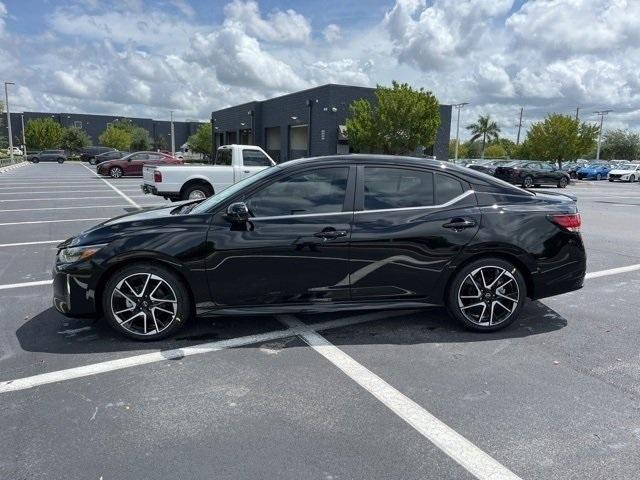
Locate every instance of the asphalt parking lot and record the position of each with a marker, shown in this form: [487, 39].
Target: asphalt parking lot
[381, 395]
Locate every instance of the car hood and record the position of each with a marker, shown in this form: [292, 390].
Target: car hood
[123, 225]
[620, 171]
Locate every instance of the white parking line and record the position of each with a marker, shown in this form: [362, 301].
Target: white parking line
[61, 208]
[118, 191]
[49, 199]
[54, 221]
[161, 355]
[43, 242]
[469, 456]
[26, 284]
[612, 271]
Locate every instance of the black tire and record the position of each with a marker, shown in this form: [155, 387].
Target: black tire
[135, 275]
[563, 182]
[196, 191]
[527, 182]
[460, 284]
[598, 177]
[115, 172]
[632, 178]
[35, 160]
[61, 160]
[92, 161]
[611, 179]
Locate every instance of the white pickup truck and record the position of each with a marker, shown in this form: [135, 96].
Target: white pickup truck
[189, 182]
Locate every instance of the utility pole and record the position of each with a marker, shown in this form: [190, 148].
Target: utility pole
[24, 142]
[577, 114]
[458, 106]
[601, 114]
[519, 126]
[213, 139]
[173, 140]
[6, 97]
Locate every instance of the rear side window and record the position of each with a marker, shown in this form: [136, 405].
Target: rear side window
[386, 188]
[223, 156]
[447, 188]
[255, 158]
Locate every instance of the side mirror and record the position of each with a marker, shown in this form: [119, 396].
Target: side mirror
[238, 213]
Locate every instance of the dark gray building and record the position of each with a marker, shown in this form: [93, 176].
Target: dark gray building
[306, 123]
[94, 125]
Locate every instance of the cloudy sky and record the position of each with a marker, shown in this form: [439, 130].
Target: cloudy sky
[144, 57]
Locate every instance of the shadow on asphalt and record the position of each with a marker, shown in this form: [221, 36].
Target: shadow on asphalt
[50, 332]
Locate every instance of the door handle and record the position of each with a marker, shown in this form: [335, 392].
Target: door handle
[460, 223]
[330, 234]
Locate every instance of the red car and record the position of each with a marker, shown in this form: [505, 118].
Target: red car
[131, 165]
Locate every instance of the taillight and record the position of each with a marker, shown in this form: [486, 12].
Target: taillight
[157, 176]
[571, 222]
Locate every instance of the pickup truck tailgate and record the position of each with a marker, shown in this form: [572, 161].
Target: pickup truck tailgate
[147, 174]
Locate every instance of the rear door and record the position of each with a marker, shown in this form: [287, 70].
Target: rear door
[409, 225]
[135, 163]
[253, 161]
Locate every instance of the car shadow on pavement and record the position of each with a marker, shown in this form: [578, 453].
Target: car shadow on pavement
[50, 332]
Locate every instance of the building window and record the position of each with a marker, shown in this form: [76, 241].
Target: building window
[298, 141]
[77, 123]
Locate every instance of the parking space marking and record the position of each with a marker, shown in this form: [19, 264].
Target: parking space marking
[28, 243]
[116, 189]
[54, 221]
[25, 284]
[178, 353]
[612, 271]
[475, 460]
[48, 199]
[61, 208]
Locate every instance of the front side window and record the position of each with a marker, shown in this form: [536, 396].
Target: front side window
[386, 188]
[255, 158]
[315, 191]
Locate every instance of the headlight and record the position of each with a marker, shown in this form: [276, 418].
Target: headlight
[78, 254]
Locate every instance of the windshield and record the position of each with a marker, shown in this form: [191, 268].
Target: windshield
[627, 166]
[218, 198]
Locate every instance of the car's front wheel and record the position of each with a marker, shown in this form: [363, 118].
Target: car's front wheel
[61, 160]
[562, 183]
[527, 182]
[115, 172]
[632, 178]
[92, 161]
[146, 302]
[487, 294]
[598, 177]
[35, 159]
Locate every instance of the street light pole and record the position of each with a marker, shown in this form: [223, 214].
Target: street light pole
[24, 141]
[6, 97]
[173, 141]
[601, 114]
[459, 107]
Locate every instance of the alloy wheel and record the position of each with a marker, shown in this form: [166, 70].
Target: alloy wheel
[115, 172]
[528, 182]
[144, 304]
[488, 296]
[197, 195]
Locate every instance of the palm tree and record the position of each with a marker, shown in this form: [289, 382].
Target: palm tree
[486, 128]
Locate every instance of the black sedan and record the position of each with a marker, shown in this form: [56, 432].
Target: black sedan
[106, 156]
[532, 174]
[326, 234]
[59, 156]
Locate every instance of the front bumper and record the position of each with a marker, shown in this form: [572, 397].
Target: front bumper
[72, 295]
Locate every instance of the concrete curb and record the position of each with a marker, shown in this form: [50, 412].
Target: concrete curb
[12, 167]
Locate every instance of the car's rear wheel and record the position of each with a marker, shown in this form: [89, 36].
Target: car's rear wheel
[598, 177]
[61, 160]
[35, 159]
[487, 294]
[146, 302]
[115, 172]
[632, 178]
[562, 183]
[196, 192]
[527, 182]
[611, 179]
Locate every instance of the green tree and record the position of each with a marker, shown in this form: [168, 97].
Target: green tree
[74, 139]
[484, 128]
[620, 144]
[495, 150]
[140, 139]
[401, 120]
[43, 133]
[115, 137]
[200, 142]
[559, 138]
[463, 149]
[509, 146]
[160, 143]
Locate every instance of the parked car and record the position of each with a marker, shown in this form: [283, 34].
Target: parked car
[16, 151]
[131, 165]
[328, 234]
[594, 171]
[530, 174]
[59, 156]
[488, 166]
[189, 182]
[87, 154]
[626, 172]
[103, 157]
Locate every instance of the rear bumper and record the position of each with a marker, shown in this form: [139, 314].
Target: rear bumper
[565, 273]
[152, 190]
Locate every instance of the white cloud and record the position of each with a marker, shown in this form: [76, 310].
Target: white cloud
[184, 7]
[279, 26]
[332, 33]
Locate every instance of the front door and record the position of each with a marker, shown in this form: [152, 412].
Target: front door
[408, 226]
[294, 249]
[135, 164]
